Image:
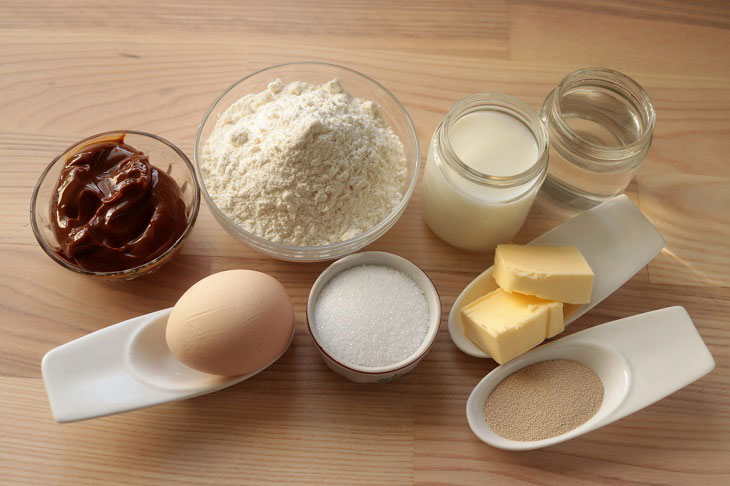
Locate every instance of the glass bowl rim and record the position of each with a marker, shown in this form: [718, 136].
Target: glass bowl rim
[139, 268]
[333, 250]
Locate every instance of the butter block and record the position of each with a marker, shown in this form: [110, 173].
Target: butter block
[549, 272]
[507, 325]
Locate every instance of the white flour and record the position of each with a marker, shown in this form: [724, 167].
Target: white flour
[303, 164]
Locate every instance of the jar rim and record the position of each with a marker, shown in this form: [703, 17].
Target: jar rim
[622, 85]
[508, 105]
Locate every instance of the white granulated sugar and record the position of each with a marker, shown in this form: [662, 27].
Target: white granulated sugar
[304, 165]
[371, 315]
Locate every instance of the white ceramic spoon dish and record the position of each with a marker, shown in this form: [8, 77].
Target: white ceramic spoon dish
[124, 367]
[640, 360]
[614, 237]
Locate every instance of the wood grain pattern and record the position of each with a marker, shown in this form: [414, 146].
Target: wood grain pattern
[70, 69]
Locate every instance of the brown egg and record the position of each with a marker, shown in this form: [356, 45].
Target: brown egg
[231, 323]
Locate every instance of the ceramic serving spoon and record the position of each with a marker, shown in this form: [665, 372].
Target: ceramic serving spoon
[121, 368]
[614, 237]
[639, 359]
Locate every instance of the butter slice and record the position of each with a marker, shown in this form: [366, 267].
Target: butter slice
[549, 272]
[507, 325]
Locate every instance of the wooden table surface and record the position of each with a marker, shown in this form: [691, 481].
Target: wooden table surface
[71, 69]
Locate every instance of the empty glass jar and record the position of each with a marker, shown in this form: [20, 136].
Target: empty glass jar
[600, 124]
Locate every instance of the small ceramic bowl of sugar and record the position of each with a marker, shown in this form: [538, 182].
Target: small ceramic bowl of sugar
[373, 316]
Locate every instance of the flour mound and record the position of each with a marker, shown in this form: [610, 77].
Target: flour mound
[304, 165]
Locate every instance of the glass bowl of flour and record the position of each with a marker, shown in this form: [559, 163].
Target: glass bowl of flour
[307, 161]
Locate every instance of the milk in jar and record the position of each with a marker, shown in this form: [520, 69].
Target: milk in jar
[486, 161]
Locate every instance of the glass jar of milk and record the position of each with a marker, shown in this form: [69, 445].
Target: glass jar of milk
[486, 162]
